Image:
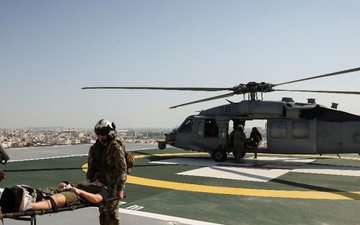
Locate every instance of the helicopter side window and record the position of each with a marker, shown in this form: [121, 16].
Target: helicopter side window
[200, 128]
[278, 129]
[211, 128]
[186, 127]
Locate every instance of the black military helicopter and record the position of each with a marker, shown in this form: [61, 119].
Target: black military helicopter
[292, 127]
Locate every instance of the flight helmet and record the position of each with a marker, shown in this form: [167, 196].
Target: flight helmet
[240, 126]
[105, 127]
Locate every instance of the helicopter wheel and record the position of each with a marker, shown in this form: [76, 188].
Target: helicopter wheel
[219, 155]
[161, 145]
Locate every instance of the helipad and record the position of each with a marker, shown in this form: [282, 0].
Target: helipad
[174, 186]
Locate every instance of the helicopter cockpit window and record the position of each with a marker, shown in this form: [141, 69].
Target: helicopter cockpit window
[211, 128]
[186, 127]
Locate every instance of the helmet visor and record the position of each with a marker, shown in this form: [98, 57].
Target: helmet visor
[102, 131]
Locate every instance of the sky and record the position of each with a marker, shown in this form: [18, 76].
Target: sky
[49, 50]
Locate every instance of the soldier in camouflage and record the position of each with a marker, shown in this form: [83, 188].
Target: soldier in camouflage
[238, 137]
[106, 163]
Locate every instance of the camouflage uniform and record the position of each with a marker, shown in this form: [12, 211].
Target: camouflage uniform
[239, 138]
[108, 165]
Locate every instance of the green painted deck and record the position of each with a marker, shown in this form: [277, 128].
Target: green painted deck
[304, 189]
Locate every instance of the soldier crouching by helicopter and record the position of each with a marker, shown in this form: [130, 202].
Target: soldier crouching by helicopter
[255, 139]
[237, 139]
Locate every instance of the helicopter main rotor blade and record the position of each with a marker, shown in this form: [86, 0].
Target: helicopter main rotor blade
[204, 100]
[249, 88]
[323, 91]
[166, 88]
[320, 76]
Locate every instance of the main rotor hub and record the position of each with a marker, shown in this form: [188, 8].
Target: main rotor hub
[253, 87]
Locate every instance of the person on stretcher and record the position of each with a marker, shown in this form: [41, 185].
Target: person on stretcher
[68, 195]
[93, 193]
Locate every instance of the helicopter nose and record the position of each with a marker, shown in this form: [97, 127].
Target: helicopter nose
[170, 138]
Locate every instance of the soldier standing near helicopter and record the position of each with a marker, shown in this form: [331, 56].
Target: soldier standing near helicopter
[107, 164]
[238, 137]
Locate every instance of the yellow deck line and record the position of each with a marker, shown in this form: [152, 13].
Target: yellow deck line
[243, 191]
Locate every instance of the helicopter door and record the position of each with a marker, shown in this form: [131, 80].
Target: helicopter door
[350, 137]
[207, 134]
[184, 136]
[329, 137]
[291, 136]
[338, 137]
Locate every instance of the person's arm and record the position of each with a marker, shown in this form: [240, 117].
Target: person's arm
[90, 174]
[90, 197]
[121, 194]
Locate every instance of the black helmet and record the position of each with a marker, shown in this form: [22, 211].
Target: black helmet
[240, 126]
[105, 127]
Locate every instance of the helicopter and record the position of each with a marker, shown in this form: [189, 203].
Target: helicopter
[291, 127]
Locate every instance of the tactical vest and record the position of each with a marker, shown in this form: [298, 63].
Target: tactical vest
[101, 164]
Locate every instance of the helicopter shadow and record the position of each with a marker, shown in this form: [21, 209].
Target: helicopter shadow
[241, 173]
[346, 194]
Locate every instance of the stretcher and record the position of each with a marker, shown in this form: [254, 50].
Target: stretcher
[30, 215]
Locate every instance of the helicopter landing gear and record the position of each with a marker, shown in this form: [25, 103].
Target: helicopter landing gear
[219, 155]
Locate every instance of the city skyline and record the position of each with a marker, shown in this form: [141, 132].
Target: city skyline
[49, 51]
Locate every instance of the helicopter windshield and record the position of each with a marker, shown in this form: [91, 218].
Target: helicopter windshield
[186, 126]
